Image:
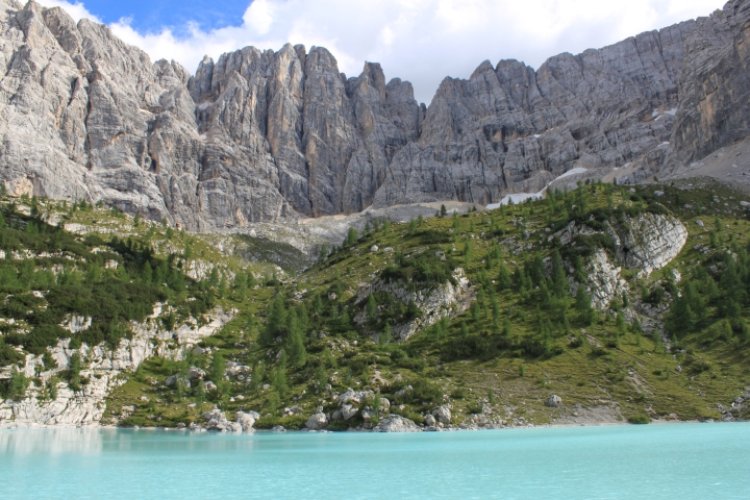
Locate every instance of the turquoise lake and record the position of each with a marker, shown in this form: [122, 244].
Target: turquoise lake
[682, 461]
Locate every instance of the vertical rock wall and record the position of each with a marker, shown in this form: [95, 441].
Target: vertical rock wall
[263, 135]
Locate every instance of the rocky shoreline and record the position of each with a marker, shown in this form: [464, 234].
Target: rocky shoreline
[404, 426]
[351, 404]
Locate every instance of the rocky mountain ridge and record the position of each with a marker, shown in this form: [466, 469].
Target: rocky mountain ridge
[267, 136]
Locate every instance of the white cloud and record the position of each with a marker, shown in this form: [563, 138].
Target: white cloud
[259, 16]
[419, 40]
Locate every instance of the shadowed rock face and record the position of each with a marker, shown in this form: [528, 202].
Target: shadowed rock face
[263, 135]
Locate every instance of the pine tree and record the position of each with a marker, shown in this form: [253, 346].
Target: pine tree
[317, 308]
[372, 309]
[304, 319]
[148, 272]
[258, 376]
[535, 271]
[583, 307]
[464, 330]
[74, 372]
[295, 343]
[276, 325]
[17, 385]
[495, 315]
[240, 285]
[468, 252]
[559, 277]
[507, 329]
[687, 311]
[278, 376]
[386, 336]
[504, 281]
[218, 368]
[351, 237]
[579, 272]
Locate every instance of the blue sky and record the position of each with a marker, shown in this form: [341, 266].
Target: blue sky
[421, 41]
[154, 15]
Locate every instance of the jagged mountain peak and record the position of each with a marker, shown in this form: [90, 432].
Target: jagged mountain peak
[267, 135]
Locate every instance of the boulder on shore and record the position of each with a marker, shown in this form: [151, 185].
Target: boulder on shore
[317, 421]
[554, 401]
[396, 423]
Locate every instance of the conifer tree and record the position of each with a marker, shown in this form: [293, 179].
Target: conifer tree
[507, 329]
[372, 309]
[218, 367]
[504, 281]
[351, 237]
[559, 277]
[74, 372]
[279, 380]
[583, 307]
[295, 343]
[276, 325]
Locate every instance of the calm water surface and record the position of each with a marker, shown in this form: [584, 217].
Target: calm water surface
[684, 461]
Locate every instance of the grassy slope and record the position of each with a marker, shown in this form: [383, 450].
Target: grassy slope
[611, 366]
[601, 364]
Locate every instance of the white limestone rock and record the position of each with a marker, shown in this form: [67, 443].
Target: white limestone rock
[317, 421]
[442, 414]
[396, 423]
[102, 369]
[604, 281]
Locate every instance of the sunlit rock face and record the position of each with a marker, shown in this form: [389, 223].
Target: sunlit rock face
[265, 136]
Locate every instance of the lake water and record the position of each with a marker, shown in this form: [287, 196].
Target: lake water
[683, 461]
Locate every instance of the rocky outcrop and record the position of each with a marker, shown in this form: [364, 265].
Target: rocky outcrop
[350, 408]
[644, 243]
[216, 420]
[317, 421]
[396, 423]
[650, 242]
[553, 401]
[442, 415]
[263, 135]
[604, 281]
[738, 409]
[350, 404]
[102, 370]
[447, 300]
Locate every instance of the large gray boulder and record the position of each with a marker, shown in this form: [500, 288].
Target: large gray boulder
[553, 401]
[216, 420]
[442, 414]
[396, 423]
[246, 421]
[317, 421]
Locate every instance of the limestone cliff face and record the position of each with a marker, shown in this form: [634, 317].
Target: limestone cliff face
[104, 370]
[256, 136]
[322, 141]
[643, 244]
[263, 135]
[714, 87]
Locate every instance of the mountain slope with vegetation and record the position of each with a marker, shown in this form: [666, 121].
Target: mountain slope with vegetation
[604, 303]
